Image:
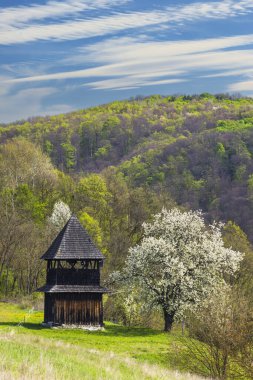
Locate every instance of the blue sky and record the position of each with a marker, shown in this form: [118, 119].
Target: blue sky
[59, 56]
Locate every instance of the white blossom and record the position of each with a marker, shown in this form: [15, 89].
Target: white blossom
[60, 215]
[179, 261]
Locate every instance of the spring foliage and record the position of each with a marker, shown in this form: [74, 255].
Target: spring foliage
[199, 148]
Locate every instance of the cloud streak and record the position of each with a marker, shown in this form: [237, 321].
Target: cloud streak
[20, 15]
[29, 102]
[242, 86]
[131, 82]
[13, 31]
[130, 63]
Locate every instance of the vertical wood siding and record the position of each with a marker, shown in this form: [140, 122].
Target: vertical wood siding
[74, 308]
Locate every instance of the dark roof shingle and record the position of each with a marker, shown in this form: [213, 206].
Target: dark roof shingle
[73, 242]
[72, 289]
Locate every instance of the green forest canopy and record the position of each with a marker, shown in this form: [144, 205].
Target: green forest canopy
[198, 148]
[117, 164]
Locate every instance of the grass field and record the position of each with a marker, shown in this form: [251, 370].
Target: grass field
[30, 351]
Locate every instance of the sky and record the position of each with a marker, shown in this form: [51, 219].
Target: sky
[59, 56]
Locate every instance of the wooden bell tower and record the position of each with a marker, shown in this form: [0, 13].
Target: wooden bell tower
[73, 295]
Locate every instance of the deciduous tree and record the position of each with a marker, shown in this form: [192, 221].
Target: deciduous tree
[178, 263]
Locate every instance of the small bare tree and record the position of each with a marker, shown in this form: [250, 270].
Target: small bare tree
[223, 328]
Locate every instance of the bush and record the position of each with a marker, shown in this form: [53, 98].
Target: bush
[33, 301]
[224, 327]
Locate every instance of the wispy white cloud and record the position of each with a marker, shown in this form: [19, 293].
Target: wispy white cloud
[13, 32]
[28, 102]
[22, 14]
[127, 62]
[116, 63]
[242, 86]
[72, 30]
[137, 70]
[132, 50]
[230, 73]
[131, 82]
[190, 66]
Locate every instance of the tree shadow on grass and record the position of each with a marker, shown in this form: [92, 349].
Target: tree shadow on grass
[27, 325]
[109, 329]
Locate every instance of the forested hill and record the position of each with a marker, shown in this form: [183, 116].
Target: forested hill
[198, 149]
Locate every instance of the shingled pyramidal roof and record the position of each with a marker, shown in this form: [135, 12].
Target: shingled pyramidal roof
[73, 242]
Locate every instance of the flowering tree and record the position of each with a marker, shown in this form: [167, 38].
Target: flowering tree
[178, 263]
[60, 215]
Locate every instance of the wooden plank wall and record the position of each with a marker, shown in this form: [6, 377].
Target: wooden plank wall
[74, 308]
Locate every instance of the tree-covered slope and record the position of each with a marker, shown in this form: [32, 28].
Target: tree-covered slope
[108, 134]
[198, 149]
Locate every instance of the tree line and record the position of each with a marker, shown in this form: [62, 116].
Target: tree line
[198, 149]
[111, 210]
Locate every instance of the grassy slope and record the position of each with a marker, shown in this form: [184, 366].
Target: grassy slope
[29, 351]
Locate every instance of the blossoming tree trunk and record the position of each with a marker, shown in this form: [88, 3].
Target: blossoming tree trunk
[168, 320]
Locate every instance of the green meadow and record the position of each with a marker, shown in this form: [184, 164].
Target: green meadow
[30, 351]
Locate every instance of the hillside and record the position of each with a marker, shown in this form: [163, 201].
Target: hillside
[196, 149]
[29, 351]
[114, 167]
